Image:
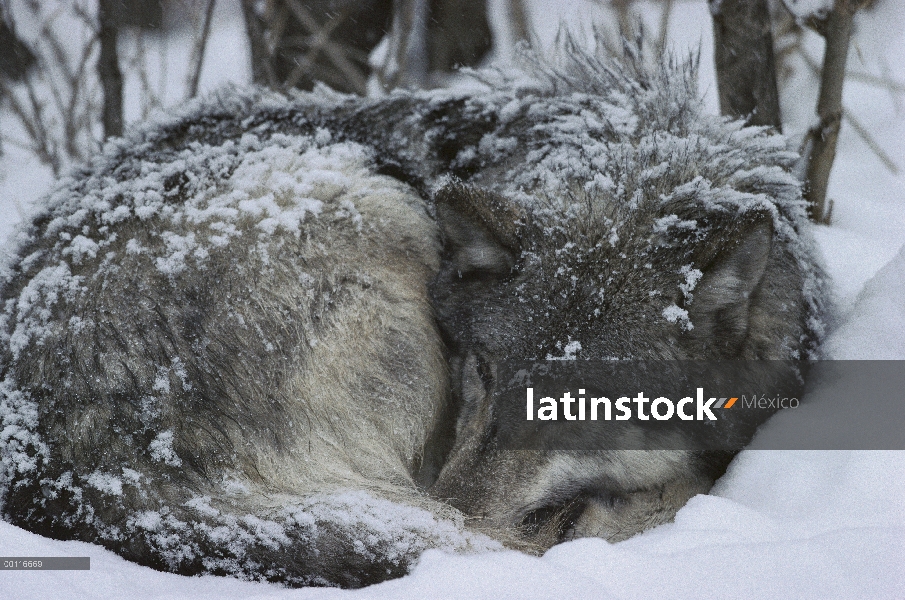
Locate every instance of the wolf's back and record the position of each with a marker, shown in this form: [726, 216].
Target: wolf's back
[211, 342]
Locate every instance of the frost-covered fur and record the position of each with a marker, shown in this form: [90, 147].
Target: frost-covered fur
[229, 363]
[219, 352]
[620, 223]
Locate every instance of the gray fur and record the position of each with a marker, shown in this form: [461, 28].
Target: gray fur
[687, 241]
[220, 352]
[248, 406]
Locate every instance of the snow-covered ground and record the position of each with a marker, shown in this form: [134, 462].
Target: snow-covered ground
[780, 524]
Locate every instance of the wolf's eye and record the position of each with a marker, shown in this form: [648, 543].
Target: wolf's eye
[560, 521]
[554, 519]
[477, 276]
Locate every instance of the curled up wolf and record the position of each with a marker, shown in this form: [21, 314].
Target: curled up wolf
[255, 338]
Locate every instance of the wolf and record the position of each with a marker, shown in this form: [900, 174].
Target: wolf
[257, 337]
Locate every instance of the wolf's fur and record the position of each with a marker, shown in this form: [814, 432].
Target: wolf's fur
[219, 352]
[636, 228]
[208, 402]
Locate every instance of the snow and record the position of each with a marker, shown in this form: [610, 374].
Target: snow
[569, 351]
[162, 449]
[803, 9]
[780, 524]
[106, 483]
[862, 335]
[692, 276]
[673, 314]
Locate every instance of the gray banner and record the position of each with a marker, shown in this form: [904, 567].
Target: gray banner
[45, 563]
[676, 405]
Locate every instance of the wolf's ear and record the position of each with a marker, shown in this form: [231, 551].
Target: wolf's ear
[481, 229]
[720, 310]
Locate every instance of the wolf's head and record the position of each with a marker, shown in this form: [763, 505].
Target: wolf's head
[612, 220]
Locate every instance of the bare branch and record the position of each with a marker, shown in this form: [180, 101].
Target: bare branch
[405, 42]
[109, 72]
[30, 118]
[888, 162]
[332, 50]
[624, 15]
[745, 66]
[521, 26]
[316, 44]
[53, 103]
[819, 144]
[198, 51]
[883, 82]
[41, 136]
[862, 131]
[665, 13]
[459, 34]
[261, 67]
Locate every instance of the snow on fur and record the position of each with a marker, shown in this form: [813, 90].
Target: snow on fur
[588, 131]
